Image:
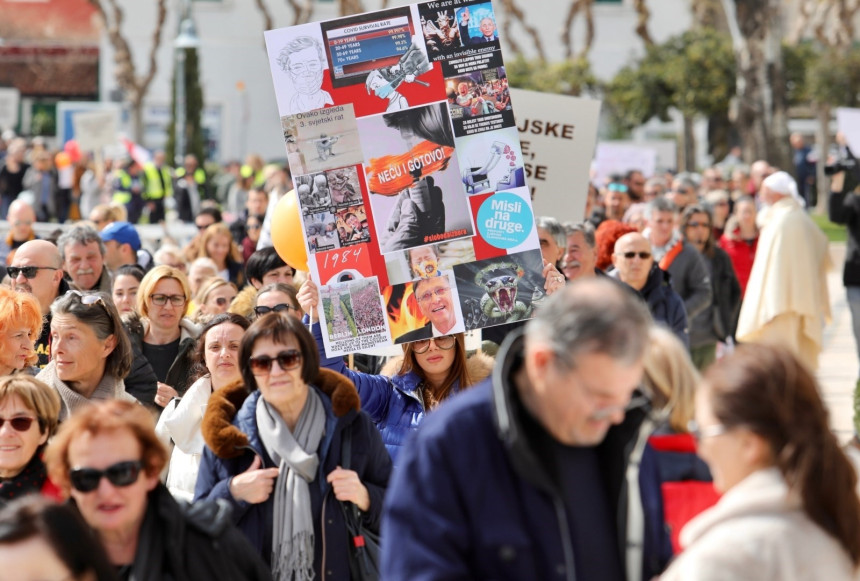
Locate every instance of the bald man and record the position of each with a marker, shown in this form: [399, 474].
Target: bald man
[20, 217]
[37, 269]
[634, 265]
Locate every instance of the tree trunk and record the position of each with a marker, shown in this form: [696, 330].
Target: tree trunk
[761, 111]
[822, 138]
[137, 120]
[689, 147]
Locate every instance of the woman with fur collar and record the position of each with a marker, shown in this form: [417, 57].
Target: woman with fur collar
[274, 452]
[429, 372]
[216, 366]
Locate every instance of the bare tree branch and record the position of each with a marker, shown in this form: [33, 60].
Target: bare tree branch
[567, 37]
[349, 7]
[643, 15]
[514, 12]
[268, 23]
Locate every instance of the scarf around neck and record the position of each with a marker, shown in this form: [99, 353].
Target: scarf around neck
[29, 480]
[108, 388]
[297, 459]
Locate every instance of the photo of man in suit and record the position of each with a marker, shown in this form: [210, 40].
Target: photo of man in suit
[436, 302]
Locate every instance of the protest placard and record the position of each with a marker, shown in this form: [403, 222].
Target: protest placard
[408, 171]
[95, 129]
[557, 136]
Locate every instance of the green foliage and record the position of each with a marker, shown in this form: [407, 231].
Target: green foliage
[834, 78]
[693, 72]
[797, 59]
[193, 110]
[569, 77]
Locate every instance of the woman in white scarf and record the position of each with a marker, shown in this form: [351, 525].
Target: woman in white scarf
[216, 363]
[275, 453]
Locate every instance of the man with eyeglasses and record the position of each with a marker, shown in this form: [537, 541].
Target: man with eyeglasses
[37, 269]
[551, 434]
[634, 266]
[20, 218]
[436, 303]
[302, 59]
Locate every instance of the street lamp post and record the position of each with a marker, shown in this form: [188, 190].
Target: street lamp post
[187, 38]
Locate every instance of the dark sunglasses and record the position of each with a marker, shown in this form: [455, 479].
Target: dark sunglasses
[29, 271]
[632, 255]
[260, 311]
[119, 474]
[287, 360]
[18, 424]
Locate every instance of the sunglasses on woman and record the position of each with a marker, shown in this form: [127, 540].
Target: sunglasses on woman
[287, 361]
[21, 424]
[260, 311]
[446, 342]
[119, 474]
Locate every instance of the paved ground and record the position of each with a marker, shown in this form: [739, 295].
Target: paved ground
[838, 365]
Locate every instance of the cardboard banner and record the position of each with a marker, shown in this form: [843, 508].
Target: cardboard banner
[10, 99]
[407, 165]
[557, 137]
[95, 129]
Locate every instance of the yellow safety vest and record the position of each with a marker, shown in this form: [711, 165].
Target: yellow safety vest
[122, 193]
[154, 190]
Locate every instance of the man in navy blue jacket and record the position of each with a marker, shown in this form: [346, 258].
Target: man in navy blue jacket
[527, 475]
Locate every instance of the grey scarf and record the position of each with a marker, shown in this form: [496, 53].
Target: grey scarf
[296, 457]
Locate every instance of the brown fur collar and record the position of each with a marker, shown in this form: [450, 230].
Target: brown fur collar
[479, 365]
[227, 441]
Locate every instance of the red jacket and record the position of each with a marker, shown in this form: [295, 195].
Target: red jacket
[742, 253]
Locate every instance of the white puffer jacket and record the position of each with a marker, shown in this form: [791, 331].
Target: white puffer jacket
[180, 423]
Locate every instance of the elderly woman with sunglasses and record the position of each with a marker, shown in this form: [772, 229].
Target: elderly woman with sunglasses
[108, 458]
[90, 352]
[430, 371]
[216, 366]
[29, 411]
[277, 453]
[162, 333]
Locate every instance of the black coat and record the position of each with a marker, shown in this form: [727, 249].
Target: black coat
[182, 542]
[844, 208]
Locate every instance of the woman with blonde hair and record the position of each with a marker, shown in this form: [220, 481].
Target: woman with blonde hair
[217, 243]
[213, 298]
[162, 332]
[670, 379]
[20, 326]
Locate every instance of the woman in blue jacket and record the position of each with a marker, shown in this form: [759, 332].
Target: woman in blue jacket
[430, 371]
[274, 452]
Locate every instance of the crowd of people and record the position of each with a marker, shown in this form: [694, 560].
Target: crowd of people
[173, 415]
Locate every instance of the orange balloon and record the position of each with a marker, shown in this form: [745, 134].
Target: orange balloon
[287, 232]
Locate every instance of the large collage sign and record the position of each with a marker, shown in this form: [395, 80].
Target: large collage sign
[407, 166]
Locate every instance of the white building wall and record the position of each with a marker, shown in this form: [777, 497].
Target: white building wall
[232, 52]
